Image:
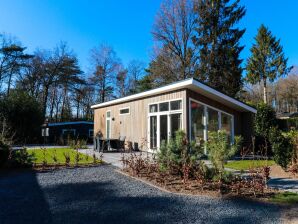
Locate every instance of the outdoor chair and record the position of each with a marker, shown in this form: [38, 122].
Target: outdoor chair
[121, 143]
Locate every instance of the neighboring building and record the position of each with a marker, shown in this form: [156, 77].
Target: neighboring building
[59, 133]
[148, 118]
[288, 121]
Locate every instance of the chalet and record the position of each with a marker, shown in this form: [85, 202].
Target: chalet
[60, 132]
[148, 118]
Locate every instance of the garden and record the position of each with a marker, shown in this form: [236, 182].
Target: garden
[180, 165]
[47, 158]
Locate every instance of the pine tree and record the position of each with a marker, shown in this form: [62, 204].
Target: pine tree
[267, 61]
[218, 43]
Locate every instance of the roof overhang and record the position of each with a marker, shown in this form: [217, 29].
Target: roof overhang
[191, 84]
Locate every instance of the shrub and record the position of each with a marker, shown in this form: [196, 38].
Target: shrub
[4, 153]
[282, 147]
[20, 158]
[22, 113]
[220, 149]
[293, 137]
[265, 119]
[178, 152]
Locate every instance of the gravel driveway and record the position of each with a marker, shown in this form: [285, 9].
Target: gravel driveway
[101, 195]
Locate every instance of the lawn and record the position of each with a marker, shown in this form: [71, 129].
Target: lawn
[38, 156]
[285, 197]
[246, 164]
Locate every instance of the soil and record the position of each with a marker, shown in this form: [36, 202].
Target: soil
[277, 171]
[174, 184]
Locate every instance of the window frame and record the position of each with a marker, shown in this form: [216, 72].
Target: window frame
[205, 118]
[124, 108]
[69, 129]
[158, 113]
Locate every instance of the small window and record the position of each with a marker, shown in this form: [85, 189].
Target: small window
[91, 133]
[124, 111]
[153, 108]
[109, 114]
[69, 132]
[176, 105]
[164, 106]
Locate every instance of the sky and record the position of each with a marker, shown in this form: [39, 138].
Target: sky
[126, 25]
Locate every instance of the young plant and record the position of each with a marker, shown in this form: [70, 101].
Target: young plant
[221, 149]
[44, 159]
[282, 148]
[67, 158]
[77, 157]
[55, 159]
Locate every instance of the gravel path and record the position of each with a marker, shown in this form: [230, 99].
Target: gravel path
[101, 195]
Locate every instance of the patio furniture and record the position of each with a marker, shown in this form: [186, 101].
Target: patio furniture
[121, 143]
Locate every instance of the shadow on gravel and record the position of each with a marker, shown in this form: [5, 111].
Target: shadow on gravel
[23, 201]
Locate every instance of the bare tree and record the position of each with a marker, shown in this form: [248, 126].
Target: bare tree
[104, 64]
[121, 82]
[135, 70]
[173, 30]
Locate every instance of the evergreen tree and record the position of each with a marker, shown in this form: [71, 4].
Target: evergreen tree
[267, 61]
[218, 43]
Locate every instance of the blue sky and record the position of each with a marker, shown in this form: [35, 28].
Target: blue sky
[126, 25]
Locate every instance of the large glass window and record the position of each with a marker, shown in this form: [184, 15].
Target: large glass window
[213, 124]
[176, 123]
[197, 121]
[226, 123]
[204, 119]
[165, 118]
[153, 132]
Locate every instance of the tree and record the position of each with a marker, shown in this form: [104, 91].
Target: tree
[23, 115]
[104, 66]
[135, 71]
[217, 40]
[265, 120]
[267, 60]
[12, 60]
[173, 30]
[121, 82]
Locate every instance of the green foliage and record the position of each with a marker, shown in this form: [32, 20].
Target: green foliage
[218, 39]
[264, 120]
[220, 148]
[281, 147]
[285, 197]
[55, 156]
[247, 164]
[23, 115]
[4, 153]
[178, 151]
[20, 158]
[288, 124]
[267, 60]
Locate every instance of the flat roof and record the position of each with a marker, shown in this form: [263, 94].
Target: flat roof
[70, 123]
[191, 84]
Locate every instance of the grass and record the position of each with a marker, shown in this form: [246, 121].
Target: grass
[247, 164]
[38, 156]
[285, 197]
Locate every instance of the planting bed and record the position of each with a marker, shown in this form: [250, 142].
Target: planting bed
[147, 169]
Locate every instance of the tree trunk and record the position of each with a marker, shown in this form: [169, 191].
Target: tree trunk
[45, 100]
[265, 90]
